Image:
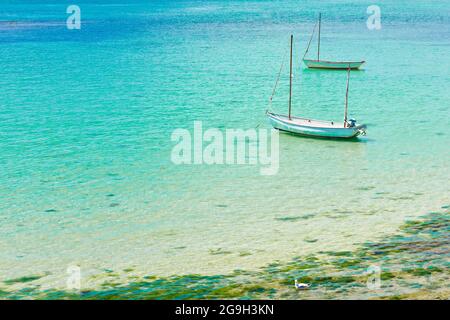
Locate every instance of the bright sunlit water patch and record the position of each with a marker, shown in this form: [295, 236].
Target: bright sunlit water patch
[86, 117]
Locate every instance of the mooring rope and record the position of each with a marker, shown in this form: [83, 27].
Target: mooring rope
[310, 39]
[278, 79]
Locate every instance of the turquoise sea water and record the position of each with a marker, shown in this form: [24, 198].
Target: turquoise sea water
[86, 117]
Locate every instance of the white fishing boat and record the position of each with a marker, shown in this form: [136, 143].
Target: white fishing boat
[324, 64]
[310, 127]
[315, 128]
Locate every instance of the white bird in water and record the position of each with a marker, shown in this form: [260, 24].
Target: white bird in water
[301, 286]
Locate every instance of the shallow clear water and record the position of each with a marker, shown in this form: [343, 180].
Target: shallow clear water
[86, 117]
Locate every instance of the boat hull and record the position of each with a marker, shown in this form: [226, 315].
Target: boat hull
[335, 65]
[323, 129]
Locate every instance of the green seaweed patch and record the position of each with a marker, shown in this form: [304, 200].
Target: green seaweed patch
[338, 253]
[244, 253]
[422, 272]
[349, 263]
[336, 216]
[329, 273]
[288, 219]
[218, 251]
[396, 297]
[114, 275]
[233, 291]
[23, 279]
[110, 284]
[386, 275]
[3, 294]
[240, 291]
[241, 272]
[365, 188]
[294, 218]
[401, 198]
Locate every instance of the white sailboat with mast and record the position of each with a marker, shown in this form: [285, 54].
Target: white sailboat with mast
[324, 64]
[310, 127]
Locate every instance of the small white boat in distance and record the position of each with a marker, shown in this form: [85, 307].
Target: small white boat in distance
[316, 128]
[310, 127]
[337, 65]
[324, 64]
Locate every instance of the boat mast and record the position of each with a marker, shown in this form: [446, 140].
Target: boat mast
[290, 80]
[318, 42]
[346, 97]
